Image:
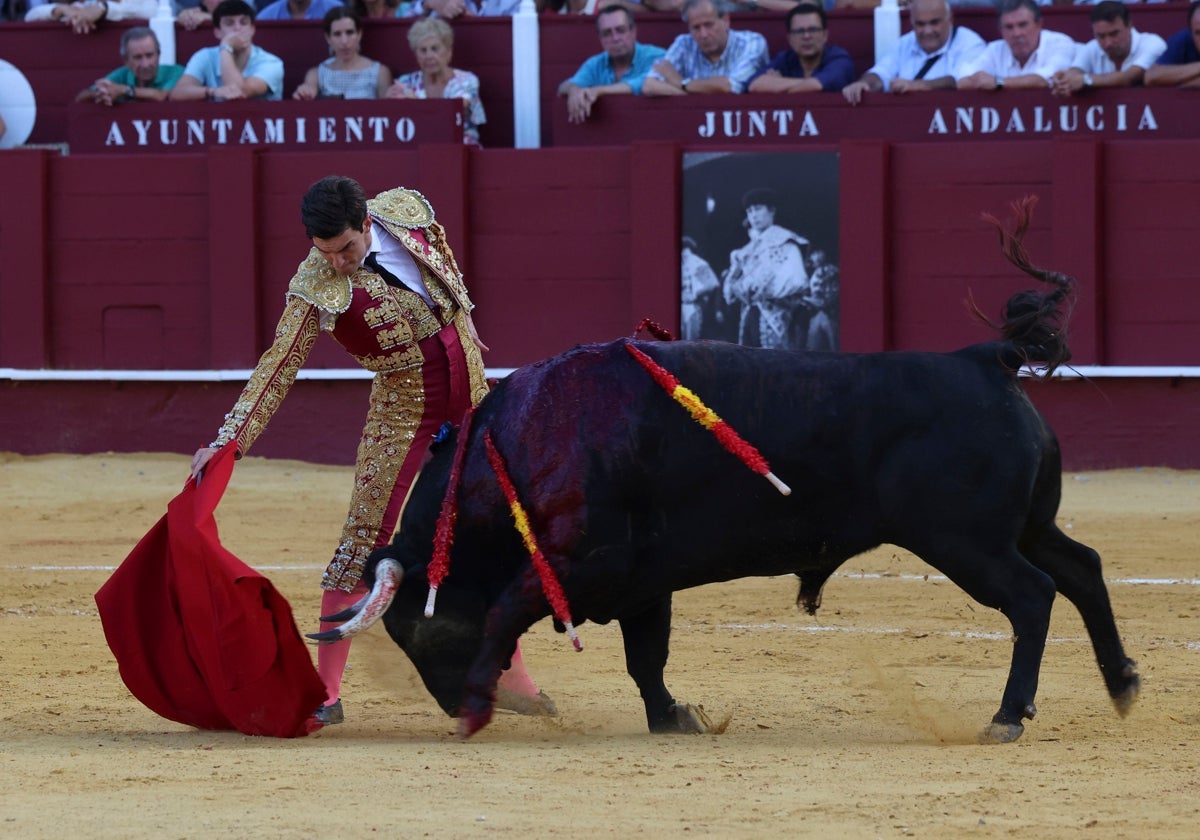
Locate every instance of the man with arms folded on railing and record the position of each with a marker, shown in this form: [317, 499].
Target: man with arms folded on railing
[1179, 65]
[929, 57]
[620, 69]
[142, 78]
[711, 58]
[234, 69]
[1026, 56]
[1118, 56]
[810, 63]
[84, 15]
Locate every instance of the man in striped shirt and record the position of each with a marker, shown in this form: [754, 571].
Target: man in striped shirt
[710, 58]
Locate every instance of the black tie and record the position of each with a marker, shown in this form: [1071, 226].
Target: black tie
[371, 262]
[929, 62]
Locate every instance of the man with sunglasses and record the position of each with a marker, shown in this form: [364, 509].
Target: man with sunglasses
[619, 69]
[809, 63]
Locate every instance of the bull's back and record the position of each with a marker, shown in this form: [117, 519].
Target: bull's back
[874, 446]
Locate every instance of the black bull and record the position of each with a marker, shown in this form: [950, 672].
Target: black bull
[630, 499]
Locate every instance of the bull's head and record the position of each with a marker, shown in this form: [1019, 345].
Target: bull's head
[442, 647]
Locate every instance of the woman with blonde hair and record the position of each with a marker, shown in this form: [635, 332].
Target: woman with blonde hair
[432, 42]
[347, 73]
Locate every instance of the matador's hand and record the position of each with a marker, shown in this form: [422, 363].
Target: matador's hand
[200, 460]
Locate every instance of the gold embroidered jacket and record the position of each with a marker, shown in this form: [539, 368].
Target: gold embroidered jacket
[378, 324]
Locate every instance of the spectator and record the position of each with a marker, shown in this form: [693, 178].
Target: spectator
[1179, 65]
[1025, 57]
[84, 15]
[347, 74]
[620, 68]
[768, 277]
[234, 69]
[930, 57]
[809, 63]
[451, 9]
[432, 42]
[1118, 56]
[299, 9]
[142, 77]
[711, 58]
[194, 14]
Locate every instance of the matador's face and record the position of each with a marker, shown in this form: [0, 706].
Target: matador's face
[345, 251]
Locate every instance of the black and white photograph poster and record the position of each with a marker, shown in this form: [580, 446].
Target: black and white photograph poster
[759, 256]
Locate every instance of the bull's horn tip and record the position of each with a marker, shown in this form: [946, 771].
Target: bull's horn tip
[325, 636]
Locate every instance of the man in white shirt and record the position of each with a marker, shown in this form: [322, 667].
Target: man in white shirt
[929, 57]
[1118, 56]
[1026, 57]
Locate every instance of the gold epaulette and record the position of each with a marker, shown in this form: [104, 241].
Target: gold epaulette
[401, 206]
[317, 283]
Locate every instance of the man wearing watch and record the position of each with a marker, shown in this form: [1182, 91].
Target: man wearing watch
[141, 78]
[1118, 56]
[1025, 58]
[710, 58]
[234, 69]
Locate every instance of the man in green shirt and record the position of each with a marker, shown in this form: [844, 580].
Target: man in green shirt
[141, 78]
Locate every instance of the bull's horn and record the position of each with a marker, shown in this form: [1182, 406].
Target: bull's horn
[349, 612]
[388, 575]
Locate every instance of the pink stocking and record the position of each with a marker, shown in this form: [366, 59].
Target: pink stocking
[331, 658]
[515, 678]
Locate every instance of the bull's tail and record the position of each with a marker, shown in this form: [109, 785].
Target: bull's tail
[1034, 323]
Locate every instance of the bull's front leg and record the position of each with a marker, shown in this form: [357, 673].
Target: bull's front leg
[647, 641]
[508, 618]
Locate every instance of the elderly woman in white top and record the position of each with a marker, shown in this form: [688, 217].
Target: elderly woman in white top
[347, 73]
[432, 42]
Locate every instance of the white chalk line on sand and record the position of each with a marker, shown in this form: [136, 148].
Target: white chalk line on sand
[812, 629]
[847, 575]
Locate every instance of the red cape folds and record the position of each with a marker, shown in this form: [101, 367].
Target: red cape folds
[200, 637]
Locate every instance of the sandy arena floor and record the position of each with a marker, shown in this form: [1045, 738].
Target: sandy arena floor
[859, 723]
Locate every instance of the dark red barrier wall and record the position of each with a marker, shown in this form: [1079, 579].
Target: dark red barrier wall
[180, 262]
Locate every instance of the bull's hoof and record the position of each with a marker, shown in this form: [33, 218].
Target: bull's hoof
[1124, 701]
[693, 720]
[524, 704]
[470, 722]
[998, 732]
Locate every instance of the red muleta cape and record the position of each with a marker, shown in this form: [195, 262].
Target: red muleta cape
[200, 637]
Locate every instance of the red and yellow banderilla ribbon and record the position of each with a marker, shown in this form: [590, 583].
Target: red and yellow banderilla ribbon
[709, 419]
[443, 538]
[550, 585]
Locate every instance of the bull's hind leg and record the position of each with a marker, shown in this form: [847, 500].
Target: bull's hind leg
[1075, 569]
[647, 640]
[1006, 581]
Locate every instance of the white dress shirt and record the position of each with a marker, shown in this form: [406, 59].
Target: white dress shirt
[396, 258]
[907, 58]
[1144, 50]
[1055, 51]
